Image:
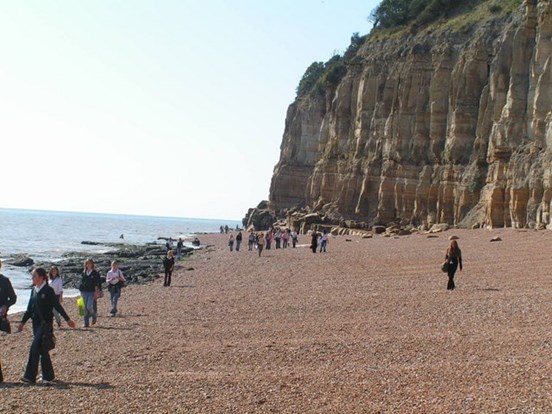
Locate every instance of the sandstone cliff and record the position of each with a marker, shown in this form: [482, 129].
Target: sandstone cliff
[449, 125]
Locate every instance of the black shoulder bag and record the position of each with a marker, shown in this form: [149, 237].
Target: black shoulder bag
[48, 337]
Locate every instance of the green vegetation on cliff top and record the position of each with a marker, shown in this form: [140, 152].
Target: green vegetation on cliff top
[395, 18]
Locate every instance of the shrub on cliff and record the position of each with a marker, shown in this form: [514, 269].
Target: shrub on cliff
[309, 79]
[395, 13]
[321, 76]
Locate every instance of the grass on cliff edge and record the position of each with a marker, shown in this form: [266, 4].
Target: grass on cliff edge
[462, 20]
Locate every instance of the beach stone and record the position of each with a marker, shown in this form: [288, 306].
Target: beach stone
[22, 261]
[496, 239]
[378, 229]
[439, 227]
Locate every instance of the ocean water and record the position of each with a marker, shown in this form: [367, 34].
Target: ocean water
[46, 235]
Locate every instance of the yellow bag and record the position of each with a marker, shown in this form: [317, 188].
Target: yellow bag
[80, 305]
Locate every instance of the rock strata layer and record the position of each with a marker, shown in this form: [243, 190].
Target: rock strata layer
[449, 126]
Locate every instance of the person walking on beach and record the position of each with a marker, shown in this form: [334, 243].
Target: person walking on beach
[268, 239]
[115, 281]
[251, 240]
[179, 248]
[239, 238]
[231, 242]
[260, 243]
[40, 308]
[168, 265]
[453, 257]
[314, 241]
[56, 283]
[323, 241]
[7, 298]
[285, 238]
[90, 287]
[294, 238]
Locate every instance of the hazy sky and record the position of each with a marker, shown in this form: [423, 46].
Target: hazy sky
[155, 107]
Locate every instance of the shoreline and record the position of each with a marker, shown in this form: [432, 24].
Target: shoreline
[366, 327]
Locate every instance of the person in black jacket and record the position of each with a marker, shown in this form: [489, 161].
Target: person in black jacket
[168, 265]
[454, 258]
[90, 287]
[41, 309]
[7, 298]
[7, 294]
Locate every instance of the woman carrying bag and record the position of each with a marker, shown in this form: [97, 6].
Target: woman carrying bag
[41, 310]
[453, 259]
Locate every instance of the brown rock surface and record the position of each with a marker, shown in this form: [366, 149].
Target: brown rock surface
[367, 327]
[447, 125]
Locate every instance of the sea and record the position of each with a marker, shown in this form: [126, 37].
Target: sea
[46, 235]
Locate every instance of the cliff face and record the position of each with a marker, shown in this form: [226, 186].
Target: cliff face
[445, 126]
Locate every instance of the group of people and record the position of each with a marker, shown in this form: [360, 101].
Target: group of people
[45, 306]
[179, 245]
[276, 237]
[281, 239]
[46, 299]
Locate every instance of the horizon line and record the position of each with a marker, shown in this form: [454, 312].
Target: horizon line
[114, 214]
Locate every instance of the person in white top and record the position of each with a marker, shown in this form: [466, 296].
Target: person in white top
[56, 282]
[115, 281]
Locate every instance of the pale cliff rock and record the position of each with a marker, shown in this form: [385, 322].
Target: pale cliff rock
[439, 127]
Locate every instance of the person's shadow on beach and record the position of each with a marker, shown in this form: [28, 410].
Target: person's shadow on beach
[58, 384]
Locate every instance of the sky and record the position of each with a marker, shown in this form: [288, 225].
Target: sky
[155, 107]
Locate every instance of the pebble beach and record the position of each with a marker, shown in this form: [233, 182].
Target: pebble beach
[367, 327]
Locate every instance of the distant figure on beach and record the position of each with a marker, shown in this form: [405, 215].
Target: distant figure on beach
[7, 298]
[169, 245]
[115, 282]
[260, 243]
[285, 238]
[294, 238]
[179, 246]
[323, 241]
[277, 237]
[239, 238]
[251, 240]
[56, 283]
[268, 239]
[231, 242]
[226, 229]
[40, 308]
[314, 241]
[168, 265]
[90, 288]
[221, 229]
[122, 236]
[195, 242]
[454, 258]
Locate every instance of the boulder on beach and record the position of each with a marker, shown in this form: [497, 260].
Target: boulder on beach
[22, 261]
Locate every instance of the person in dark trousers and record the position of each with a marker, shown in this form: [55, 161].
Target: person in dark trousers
[179, 246]
[314, 241]
[41, 305]
[454, 259]
[7, 298]
[168, 265]
[239, 238]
